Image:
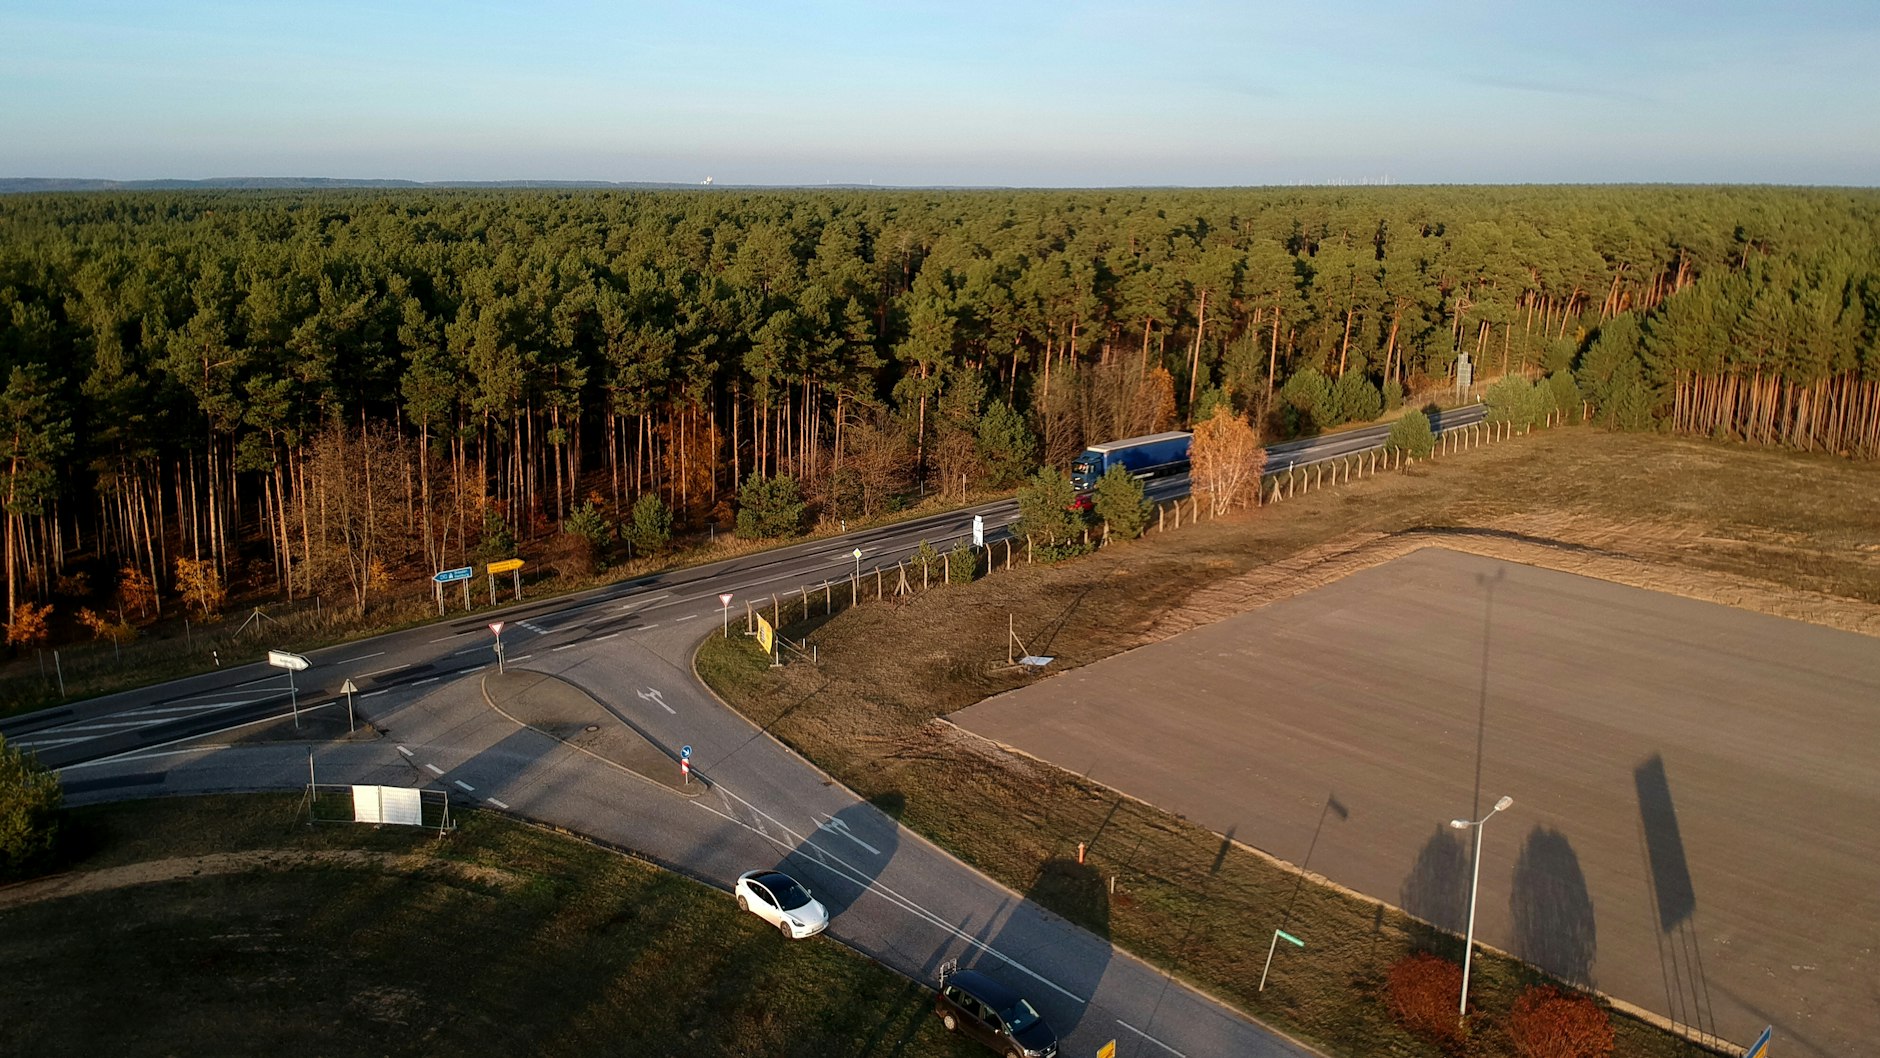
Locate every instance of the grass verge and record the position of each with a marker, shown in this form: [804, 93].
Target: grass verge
[1186, 899]
[349, 940]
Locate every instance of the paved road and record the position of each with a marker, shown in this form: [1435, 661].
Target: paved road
[1695, 817]
[895, 897]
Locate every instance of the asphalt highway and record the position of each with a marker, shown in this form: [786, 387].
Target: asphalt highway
[892, 895]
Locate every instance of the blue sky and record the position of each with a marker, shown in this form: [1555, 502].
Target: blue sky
[1015, 93]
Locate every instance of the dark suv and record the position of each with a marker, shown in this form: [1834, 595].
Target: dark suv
[972, 1003]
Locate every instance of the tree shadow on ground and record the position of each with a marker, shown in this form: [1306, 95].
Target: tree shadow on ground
[1079, 892]
[1437, 893]
[1554, 927]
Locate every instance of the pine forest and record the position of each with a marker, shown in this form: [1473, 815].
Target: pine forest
[343, 391]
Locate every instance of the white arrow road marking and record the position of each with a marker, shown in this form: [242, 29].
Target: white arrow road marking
[1150, 1038]
[841, 826]
[651, 694]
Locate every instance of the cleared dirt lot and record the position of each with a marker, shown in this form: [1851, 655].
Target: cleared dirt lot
[1696, 814]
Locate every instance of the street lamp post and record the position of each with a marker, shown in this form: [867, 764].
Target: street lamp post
[1468, 944]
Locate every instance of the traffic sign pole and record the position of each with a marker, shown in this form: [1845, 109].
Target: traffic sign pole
[348, 690]
[724, 602]
[1277, 935]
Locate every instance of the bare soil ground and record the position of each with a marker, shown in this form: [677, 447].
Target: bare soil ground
[1780, 532]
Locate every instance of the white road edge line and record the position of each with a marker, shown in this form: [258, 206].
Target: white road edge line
[497, 803]
[1150, 1038]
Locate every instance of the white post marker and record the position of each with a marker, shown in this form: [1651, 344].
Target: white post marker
[979, 531]
[293, 663]
[348, 690]
[724, 603]
[497, 627]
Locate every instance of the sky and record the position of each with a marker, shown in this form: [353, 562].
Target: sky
[1014, 93]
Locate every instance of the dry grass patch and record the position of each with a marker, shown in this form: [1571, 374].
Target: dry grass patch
[1748, 526]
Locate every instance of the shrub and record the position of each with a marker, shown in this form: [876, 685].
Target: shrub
[1566, 395]
[1355, 399]
[103, 627]
[962, 563]
[30, 797]
[588, 523]
[651, 527]
[1548, 1023]
[1120, 503]
[497, 542]
[1423, 991]
[927, 559]
[769, 507]
[200, 585]
[1006, 445]
[1044, 512]
[1412, 433]
[1306, 402]
[28, 627]
[1393, 394]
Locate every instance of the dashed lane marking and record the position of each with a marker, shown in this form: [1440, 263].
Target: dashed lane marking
[406, 752]
[428, 679]
[435, 770]
[361, 657]
[687, 617]
[520, 657]
[497, 803]
[375, 694]
[608, 636]
[465, 785]
[566, 646]
[381, 672]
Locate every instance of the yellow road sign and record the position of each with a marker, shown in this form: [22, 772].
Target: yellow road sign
[766, 636]
[505, 566]
[1108, 1050]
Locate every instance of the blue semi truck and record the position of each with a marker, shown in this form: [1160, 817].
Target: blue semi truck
[1147, 456]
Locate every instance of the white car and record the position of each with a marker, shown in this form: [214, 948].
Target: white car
[776, 898]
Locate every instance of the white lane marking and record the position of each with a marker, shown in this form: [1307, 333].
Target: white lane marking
[798, 842]
[428, 679]
[644, 627]
[634, 603]
[1150, 1038]
[41, 742]
[520, 657]
[381, 672]
[533, 627]
[479, 668]
[452, 636]
[435, 770]
[841, 826]
[124, 757]
[497, 803]
[472, 650]
[651, 694]
[687, 617]
[610, 635]
[154, 710]
[361, 657]
[565, 646]
[375, 694]
[113, 726]
[406, 752]
[849, 555]
[465, 785]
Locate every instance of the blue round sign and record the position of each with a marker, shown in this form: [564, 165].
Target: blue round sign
[685, 752]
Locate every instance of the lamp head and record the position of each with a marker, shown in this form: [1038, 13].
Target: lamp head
[1503, 803]
[1461, 824]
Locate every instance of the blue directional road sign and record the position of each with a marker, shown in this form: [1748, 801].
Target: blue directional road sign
[446, 576]
[685, 752]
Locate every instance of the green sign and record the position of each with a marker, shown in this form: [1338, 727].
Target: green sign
[1285, 936]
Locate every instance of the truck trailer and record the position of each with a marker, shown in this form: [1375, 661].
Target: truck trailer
[1147, 456]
